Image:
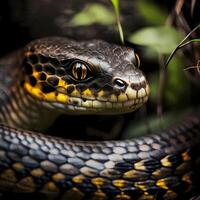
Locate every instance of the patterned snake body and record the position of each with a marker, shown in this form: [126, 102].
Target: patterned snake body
[57, 76]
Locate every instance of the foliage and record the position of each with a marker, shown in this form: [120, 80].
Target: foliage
[183, 43]
[115, 4]
[162, 39]
[94, 13]
[176, 91]
[151, 12]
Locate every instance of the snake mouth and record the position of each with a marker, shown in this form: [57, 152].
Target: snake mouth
[126, 102]
[100, 107]
[87, 103]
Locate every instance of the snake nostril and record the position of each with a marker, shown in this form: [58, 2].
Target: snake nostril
[136, 86]
[120, 83]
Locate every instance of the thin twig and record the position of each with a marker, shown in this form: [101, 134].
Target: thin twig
[179, 5]
[181, 44]
[197, 67]
[186, 43]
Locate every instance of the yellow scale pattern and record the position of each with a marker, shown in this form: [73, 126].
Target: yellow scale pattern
[52, 96]
[27, 183]
[62, 85]
[36, 91]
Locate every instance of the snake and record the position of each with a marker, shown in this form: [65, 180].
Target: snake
[56, 75]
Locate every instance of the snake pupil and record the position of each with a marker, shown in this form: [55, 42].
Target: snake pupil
[79, 71]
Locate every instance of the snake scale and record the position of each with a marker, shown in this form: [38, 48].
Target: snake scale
[56, 75]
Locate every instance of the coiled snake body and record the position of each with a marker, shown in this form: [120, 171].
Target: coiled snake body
[56, 75]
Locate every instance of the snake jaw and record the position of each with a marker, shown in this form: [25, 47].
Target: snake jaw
[129, 100]
[118, 100]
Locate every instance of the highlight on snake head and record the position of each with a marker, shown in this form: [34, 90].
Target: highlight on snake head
[91, 77]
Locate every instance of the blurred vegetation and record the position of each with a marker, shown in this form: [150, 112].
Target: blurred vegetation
[115, 4]
[94, 13]
[138, 128]
[152, 13]
[157, 36]
[160, 40]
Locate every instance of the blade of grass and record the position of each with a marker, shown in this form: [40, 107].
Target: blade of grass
[115, 4]
[182, 44]
[190, 41]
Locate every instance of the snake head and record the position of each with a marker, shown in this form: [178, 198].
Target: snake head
[91, 77]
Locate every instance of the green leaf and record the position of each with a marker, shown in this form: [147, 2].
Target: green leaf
[195, 40]
[183, 43]
[151, 12]
[121, 32]
[162, 39]
[115, 4]
[94, 13]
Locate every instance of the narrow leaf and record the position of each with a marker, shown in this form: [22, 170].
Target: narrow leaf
[115, 4]
[182, 44]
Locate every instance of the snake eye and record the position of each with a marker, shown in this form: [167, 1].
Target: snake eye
[79, 71]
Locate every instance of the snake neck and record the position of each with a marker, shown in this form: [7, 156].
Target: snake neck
[20, 110]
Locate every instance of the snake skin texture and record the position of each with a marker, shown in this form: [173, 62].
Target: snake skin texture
[160, 165]
[163, 165]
